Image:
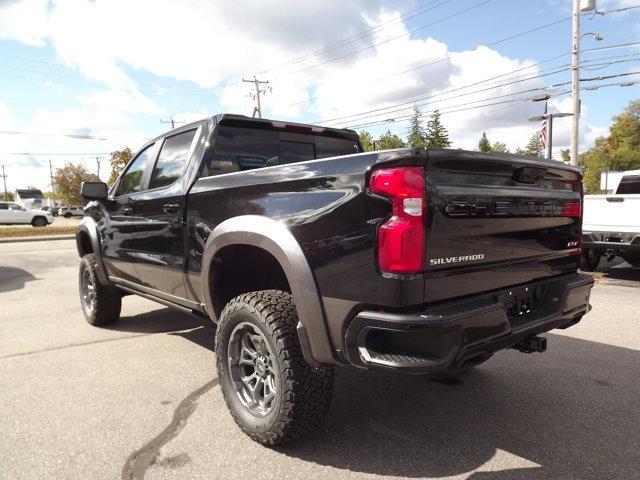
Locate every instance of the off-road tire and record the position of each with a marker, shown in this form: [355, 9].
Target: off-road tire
[39, 222]
[589, 260]
[303, 393]
[107, 300]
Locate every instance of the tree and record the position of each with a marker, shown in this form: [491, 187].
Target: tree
[534, 148]
[437, 135]
[499, 147]
[565, 155]
[416, 136]
[68, 180]
[8, 197]
[119, 160]
[389, 140]
[618, 152]
[484, 145]
[366, 139]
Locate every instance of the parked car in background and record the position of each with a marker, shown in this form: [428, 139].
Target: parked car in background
[68, 212]
[13, 214]
[612, 224]
[53, 210]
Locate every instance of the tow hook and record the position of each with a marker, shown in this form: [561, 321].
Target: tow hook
[532, 344]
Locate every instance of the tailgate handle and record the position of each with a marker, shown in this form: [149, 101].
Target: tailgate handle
[529, 174]
[615, 199]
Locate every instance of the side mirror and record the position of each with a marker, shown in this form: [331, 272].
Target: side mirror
[93, 190]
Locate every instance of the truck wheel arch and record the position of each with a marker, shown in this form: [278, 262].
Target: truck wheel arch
[274, 238]
[87, 241]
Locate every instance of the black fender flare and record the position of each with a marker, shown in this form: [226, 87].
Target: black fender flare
[88, 227]
[275, 238]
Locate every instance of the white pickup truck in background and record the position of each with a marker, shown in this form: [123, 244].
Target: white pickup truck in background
[611, 224]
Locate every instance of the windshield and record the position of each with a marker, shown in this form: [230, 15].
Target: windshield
[236, 148]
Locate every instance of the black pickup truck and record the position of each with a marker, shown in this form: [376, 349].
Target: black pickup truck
[309, 254]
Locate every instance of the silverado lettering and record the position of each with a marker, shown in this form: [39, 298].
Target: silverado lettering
[464, 258]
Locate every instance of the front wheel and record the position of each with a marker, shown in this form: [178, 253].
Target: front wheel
[272, 393]
[39, 222]
[589, 260]
[100, 304]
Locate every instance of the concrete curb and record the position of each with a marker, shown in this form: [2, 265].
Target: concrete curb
[38, 238]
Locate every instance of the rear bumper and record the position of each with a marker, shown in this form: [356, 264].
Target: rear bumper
[449, 337]
[617, 242]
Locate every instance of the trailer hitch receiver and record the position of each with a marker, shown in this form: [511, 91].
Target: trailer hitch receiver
[532, 344]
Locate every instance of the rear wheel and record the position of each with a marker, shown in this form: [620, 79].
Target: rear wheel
[39, 222]
[100, 304]
[589, 260]
[272, 393]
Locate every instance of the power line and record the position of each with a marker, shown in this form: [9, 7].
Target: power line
[463, 87]
[545, 88]
[406, 118]
[388, 109]
[408, 33]
[368, 32]
[448, 57]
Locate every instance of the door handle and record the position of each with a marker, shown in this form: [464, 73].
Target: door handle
[170, 207]
[127, 211]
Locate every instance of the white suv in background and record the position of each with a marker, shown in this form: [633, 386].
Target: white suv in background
[13, 214]
[68, 212]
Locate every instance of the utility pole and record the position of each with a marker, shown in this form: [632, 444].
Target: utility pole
[53, 187]
[98, 162]
[171, 121]
[256, 96]
[4, 180]
[575, 83]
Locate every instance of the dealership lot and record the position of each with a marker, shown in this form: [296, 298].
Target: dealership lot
[141, 398]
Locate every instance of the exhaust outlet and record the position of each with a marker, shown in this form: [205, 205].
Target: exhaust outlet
[531, 344]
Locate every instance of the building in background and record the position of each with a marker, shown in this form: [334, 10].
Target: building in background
[30, 198]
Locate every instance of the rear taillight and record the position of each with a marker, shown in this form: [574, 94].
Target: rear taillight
[401, 239]
[572, 209]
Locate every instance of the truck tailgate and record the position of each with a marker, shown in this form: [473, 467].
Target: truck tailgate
[498, 220]
[611, 213]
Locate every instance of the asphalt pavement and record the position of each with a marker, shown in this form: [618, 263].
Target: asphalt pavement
[141, 399]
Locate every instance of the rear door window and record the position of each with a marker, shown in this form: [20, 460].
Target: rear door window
[172, 159]
[630, 184]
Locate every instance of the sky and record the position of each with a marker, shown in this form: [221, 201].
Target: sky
[82, 78]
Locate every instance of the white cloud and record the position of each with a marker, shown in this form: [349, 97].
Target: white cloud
[119, 42]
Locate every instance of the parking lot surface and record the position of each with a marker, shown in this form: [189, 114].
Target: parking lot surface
[141, 400]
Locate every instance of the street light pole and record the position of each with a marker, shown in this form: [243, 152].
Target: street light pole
[575, 83]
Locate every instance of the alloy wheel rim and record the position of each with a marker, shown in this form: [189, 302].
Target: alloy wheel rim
[88, 291]
[252, 369]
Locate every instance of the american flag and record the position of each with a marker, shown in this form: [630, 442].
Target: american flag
[543, 129]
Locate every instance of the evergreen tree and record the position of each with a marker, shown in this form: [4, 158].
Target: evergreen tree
[535, 148]
[484, 145]
[499, 147]
[416, 136]
[437, 135]
[389, 140]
